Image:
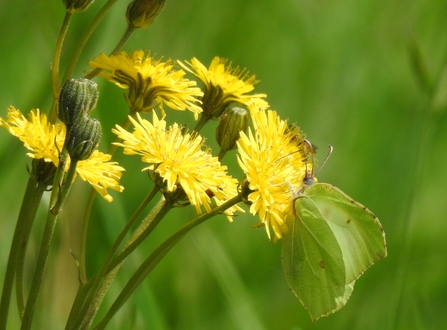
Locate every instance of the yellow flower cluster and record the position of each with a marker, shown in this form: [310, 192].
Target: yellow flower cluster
[45, 140]
[273, 155]
[224, 85]
[273, 158]
[149, 81]
[181, 160]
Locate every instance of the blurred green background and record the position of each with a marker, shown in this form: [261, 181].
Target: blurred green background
[344, 71]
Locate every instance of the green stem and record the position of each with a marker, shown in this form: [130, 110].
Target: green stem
[131, 222]
[149, 264]
[83, 240]
[86, 314]
[82, 298]
[221, 154]
[55, 66]
[31, 199]
[202, 121]
[78, 303]
[59, 178]
[45, 248]
[40, 269]
[129, 31]
[82, 293]
[86, 219]
[135, 241]
[86, 36]
[22, 253]
[66, 185]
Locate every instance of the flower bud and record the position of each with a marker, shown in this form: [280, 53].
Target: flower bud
[77, 6]
[233, 120]
[141, 13]
[83, 138]
[78, 98]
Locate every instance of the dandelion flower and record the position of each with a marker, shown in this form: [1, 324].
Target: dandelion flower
[45, 140]
[224, 85]
[274, 161]
[180, 160]
[101, 173]
[149, 80]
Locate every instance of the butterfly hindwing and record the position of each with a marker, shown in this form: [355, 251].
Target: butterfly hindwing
[313, 261]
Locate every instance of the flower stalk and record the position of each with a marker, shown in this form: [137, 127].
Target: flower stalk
[45, 245]
[30, 203]
[96, 292]
[85, 37]
[149, 264]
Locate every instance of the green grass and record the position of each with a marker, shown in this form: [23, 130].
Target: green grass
[341, 70]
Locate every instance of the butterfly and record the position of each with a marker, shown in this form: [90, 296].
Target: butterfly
[332, 240]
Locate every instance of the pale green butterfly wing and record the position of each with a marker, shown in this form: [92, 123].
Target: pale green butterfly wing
[313, 261]
[332, 228]
[357, 230]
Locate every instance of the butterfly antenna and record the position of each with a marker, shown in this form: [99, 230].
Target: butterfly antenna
[331, 148]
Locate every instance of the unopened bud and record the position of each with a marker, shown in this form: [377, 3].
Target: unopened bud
[233, 120]
[78, 98]
[141, 13]
[77, 6]
[83, 138]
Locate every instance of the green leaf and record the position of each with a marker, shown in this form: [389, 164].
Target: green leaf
[331, 242]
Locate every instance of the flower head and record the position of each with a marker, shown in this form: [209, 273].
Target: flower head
[181, 161]
[45, 140]
[101, 173]
[224, 85]
[142, 13]
[274, 161]
[77, 6]
[149, 81]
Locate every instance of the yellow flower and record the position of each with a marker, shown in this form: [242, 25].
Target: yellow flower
[45, 140]
[274, 161]
[224, 85]
[180, 160]
[149, 80]
[38, 136]
[101, 173]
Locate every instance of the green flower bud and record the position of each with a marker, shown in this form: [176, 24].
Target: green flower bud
[77, 6]
[78, 98]
[233, 120]
[141, 13]
[83, 138]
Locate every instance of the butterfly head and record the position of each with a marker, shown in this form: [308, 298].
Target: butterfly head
[309, 151]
